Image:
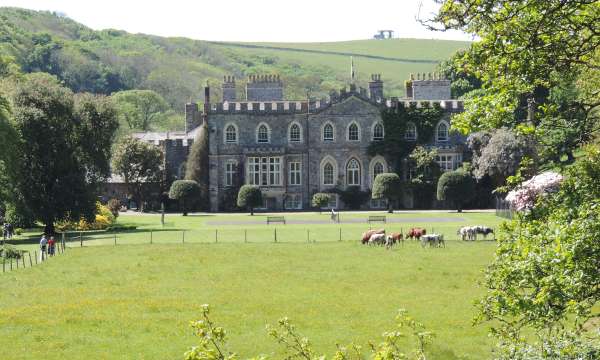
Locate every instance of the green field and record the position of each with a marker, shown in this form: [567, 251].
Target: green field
[135, 301]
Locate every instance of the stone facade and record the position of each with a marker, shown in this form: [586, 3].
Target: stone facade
[293, 149]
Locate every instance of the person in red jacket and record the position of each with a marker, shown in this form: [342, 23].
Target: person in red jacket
[51, 246]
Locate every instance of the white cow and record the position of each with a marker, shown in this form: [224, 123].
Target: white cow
[377, 239]
[433, 240]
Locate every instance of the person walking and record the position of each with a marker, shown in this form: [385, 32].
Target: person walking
[43, 245]
[11, 230]
[51, 246]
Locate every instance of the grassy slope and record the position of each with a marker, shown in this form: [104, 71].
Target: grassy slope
[135, 301]
[178, 67]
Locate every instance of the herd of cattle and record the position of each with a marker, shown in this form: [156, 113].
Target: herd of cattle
[379, 237]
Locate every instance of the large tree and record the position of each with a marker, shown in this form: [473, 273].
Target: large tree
[197, 163]
[140, 109]
[186, 192]
[529, 54]
[140, 165]
[457, 187]
[387, 186]
[64, 147]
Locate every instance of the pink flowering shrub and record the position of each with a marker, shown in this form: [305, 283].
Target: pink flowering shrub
[525, 195]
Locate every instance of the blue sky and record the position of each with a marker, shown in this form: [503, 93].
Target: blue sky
[250, 20]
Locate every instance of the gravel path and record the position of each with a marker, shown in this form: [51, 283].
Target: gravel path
[343, 221]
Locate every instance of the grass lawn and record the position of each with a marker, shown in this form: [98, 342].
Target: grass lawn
[135, 301]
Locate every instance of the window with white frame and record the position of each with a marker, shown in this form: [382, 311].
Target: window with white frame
[442, 132]
[264, 171]
[295, 173]
[378, 132]
[262, 135]
[328, 132]
[446, 162]
[411, 132]
[293, 201]
[378, 203]
[377, 169]
[295, 133]
[328, 174]
[230, 173]
[230, 134]
[353, 132]
[353, 172]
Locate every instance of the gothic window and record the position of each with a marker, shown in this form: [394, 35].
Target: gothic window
[328, 174]
[295, 133]
[230, 134]
[262, 135]
[442, 132]
[377, 169]
[328, 132]
[353, 172]
[353, 132]
[411, 132]
[378, 132]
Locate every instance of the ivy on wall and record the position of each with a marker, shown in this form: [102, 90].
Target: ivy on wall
[394, 147]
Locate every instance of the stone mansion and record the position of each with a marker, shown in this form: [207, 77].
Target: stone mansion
[293, 149]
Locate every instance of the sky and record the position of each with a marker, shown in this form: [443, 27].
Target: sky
[251, 20]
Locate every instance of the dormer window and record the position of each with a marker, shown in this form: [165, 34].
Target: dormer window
[442, 132]
[262, 135]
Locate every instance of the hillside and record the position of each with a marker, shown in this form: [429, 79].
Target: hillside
[177, 68]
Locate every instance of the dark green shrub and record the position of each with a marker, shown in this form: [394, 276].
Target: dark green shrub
[187, 192]
[456, 186]
[249, 197]
[19, 216]
[353, 197]
[387, 186]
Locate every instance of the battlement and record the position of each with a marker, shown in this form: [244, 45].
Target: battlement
[228, 87]
[264, 88]
[428, 86]
[268, 107]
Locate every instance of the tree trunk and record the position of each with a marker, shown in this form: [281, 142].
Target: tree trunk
[459, 207]
[49, 228]
[390, 207]
[251, 211]
[184, 208]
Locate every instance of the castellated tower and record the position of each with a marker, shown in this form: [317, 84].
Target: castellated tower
[264, 88]
[376, 87]
[428, 87]
[229, 88]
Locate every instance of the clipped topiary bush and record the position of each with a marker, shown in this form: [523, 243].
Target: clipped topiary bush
[249, 197]
[320, 200]
[187, 192]
[456, 186]
[387, 186]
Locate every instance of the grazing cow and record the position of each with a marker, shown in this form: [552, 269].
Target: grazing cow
[484, 230]
[367, 235]
[467, 233]
[392, 239]
[416, 233]
[433, 240]
[377, 239]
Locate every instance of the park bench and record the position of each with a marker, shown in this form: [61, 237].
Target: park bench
[376, 218]
[273, 219]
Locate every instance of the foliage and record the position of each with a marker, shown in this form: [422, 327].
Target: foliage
[212, 342]
[103, 219]
[353, 197]
[462, 74]
[62, 162]
[249, 197]
[546, 266]
[140, 165]
[19, 215]
[394, 145]
[114, 205]
[456, 186]
[498, 155]
[10, 252]
[187, 192]
[140, 109]
[197, 162]
[528, 54]
[387, 186]
[423, 179]
[320, 200]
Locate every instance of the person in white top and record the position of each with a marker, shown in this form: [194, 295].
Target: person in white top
[43, 244]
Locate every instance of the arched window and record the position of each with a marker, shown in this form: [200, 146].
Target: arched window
[411, 132]
[262, 135]
[328, 174]
[442, 132]
[378, 132]
[353, 132]
[353, 172]
[377, 169]
[295, 133]
[230, 134]
[328, 132]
